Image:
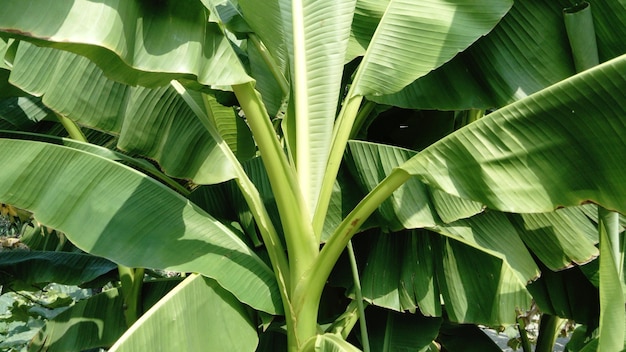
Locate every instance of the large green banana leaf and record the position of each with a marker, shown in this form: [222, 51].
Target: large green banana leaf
[156, 123]
[196, 315]
[314, 35]
[138, 42]
[112, 211]
[562, 146]
[485, 76]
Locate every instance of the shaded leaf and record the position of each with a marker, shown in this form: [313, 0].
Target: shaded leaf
[465, 337]
[392, 331]
[560, 238]
[35, 267]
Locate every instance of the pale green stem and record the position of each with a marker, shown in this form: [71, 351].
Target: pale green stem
[271, 64]
[72, 128]
[344, 324]
[361, 117]
[359, 297]
[132, 281]
[253, 199]
[308, 291]
[301, 243]
[341, 134]
[549, 328]
[270, 237]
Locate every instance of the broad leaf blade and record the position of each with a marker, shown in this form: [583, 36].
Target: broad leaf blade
[559, 147]
[198, 313]
[133, 219]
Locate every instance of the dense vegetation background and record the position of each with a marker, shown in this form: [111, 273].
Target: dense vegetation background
[311, 175]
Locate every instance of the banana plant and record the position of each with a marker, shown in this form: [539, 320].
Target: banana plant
[259, 121]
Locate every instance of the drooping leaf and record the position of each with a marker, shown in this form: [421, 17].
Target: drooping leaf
[537, 55]
[468, 276]
[454, 266]
[399, 273]
[136, 42]
[559, 147]
[611, 330]
[196, 315]
[171, 233]
[156, 123]
[36, 267]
